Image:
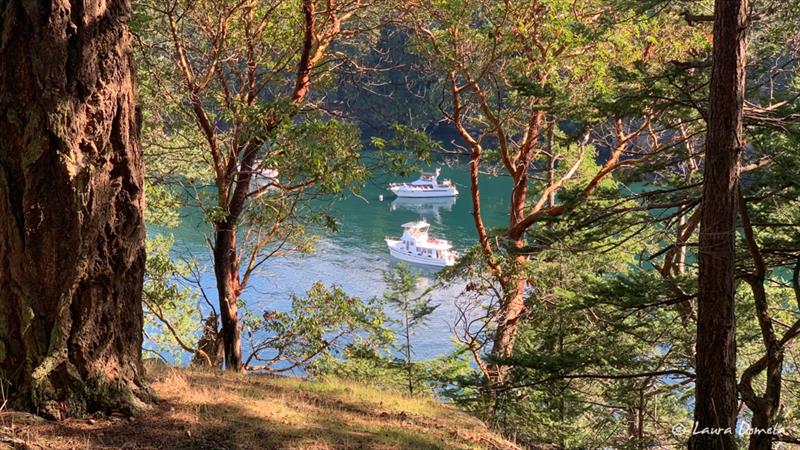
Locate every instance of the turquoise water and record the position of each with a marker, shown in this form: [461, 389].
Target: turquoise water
[355, 257]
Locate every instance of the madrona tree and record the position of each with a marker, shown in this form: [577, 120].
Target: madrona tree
[523, 84]
[232, 82]
[71, 199]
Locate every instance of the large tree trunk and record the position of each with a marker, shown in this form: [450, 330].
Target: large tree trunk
[226, 268]
[71, 200]
[715, 394]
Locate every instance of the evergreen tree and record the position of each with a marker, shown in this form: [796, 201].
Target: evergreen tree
[414, 311]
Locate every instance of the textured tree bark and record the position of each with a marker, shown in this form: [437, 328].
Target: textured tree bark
[210, 352]
[715, 385]
[71, 202]
[226, 267]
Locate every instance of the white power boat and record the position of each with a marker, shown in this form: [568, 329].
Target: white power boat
[415, 246]
[426, 186]
[263, 176]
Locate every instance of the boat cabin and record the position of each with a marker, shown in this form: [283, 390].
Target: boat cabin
[418, 247]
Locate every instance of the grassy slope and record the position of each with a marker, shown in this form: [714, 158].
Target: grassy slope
[207, 410]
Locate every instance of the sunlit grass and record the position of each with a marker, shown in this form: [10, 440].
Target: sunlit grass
[210, 410]
[329, 413]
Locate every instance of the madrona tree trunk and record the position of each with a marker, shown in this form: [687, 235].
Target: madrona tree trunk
[226, 268]
[715, 385]
[512, 306]
[509, 315]
[71, 227]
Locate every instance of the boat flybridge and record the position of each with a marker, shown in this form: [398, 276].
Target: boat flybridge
[425, 187]
[415, 246]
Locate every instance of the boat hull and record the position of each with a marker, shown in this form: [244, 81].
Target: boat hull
[431, 193]
[415, 259]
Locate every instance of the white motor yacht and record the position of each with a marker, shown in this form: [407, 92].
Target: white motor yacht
[415, 246]
[263, 177]
[425, 187]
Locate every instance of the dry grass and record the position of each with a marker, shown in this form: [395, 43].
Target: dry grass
[210, 410]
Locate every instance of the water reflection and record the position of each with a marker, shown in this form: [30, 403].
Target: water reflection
[430, 207]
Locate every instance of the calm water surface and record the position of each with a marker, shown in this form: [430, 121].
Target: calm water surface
[356, 257]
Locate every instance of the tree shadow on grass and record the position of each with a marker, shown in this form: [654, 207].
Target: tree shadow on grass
[309, 420]
[242, 430]
[163, 427]
[226, 427]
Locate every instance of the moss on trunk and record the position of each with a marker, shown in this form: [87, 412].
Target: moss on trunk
[71, 201]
